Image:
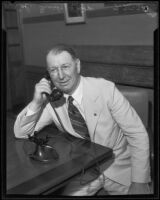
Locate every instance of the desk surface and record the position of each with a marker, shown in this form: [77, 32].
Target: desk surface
[27, 176]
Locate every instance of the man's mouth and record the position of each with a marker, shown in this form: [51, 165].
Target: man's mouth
[63, 82]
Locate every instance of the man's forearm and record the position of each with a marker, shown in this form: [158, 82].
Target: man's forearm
[24, 123]
[34, 106]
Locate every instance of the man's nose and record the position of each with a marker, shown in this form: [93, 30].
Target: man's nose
[60, 73]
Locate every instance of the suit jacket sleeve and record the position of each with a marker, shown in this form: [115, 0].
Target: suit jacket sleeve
[26, 125]
[135, 132]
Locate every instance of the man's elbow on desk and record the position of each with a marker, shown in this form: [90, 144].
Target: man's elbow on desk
[22, 131]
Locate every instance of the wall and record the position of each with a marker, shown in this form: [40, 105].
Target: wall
[115, 30]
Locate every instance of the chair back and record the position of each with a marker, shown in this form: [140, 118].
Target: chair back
[138, 98]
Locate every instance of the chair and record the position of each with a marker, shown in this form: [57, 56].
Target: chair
[138, 98]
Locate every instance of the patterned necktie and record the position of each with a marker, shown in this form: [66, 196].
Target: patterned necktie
[77, 121]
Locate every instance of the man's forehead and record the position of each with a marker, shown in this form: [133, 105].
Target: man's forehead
[59, 59]
[63, 54]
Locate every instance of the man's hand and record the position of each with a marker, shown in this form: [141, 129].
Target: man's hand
[139, 188]
[39, 94]
[40, 88]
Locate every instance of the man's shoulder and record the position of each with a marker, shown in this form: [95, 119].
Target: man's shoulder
[98, 81]
[98, 87]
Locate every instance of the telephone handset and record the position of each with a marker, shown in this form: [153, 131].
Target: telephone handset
[56, 93]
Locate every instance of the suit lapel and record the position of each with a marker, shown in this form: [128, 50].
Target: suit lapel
[92, 106]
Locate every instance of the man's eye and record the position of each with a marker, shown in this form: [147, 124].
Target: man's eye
[65, 67]
[53, 70]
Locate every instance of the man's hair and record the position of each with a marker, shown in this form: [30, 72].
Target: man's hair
[62, 47]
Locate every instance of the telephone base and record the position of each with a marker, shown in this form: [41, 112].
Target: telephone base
[44, 153]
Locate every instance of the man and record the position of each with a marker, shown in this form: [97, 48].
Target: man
[108, 117]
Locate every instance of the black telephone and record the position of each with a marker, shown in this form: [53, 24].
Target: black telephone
[43, 152]
[56, 93]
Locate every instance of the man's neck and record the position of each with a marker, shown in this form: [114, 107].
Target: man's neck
[77, 91]
[76, 86]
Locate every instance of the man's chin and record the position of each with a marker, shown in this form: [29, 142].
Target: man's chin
[64, 90]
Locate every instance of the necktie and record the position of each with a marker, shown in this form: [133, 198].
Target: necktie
[77, 120]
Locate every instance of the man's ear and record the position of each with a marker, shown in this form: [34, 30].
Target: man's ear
[78, 64]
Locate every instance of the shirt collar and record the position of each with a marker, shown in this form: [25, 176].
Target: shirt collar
[77, 95]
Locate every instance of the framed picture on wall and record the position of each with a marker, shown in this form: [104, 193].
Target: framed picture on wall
[74, 13]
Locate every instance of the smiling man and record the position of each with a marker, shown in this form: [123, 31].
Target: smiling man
[64, 70]
[115, 125]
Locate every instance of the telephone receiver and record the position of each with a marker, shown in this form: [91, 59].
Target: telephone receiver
[56, 93]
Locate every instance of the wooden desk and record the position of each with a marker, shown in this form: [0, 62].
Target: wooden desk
[27, 176]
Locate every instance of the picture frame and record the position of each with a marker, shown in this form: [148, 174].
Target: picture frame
[74, 13]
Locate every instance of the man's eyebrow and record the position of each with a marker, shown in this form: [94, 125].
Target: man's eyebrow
[66, 64]
[52, 67]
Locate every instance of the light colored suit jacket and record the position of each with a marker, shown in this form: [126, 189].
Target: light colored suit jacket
[111, 121]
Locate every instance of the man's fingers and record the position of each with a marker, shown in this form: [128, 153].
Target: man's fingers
[43, 86]
[43, 89]
[44, 80]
